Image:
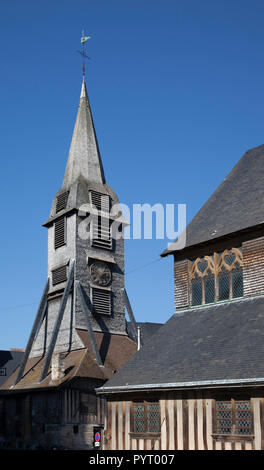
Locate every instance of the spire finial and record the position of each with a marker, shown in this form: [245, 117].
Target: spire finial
[84, 39]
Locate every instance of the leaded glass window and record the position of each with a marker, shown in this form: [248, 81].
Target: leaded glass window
[153, 417]
[224, 417]
[197, 291]
[216, 277]
[139, 417]
[243, 417]
[233, 417]
[146, 416]
[237, 284]
[209, 289]
[224, 285]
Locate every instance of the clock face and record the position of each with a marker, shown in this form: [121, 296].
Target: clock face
[100, 273]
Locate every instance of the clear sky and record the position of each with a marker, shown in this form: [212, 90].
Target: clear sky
[176, 89]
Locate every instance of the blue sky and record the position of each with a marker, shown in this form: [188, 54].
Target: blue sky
[176, 89]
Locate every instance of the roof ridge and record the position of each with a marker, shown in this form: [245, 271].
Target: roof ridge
[224, 211]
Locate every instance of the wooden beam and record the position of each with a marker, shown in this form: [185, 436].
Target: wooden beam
[86, 313]
[37, 324]
[130, 313]
[58, 321]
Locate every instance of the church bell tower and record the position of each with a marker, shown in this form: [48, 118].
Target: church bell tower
[85, 286]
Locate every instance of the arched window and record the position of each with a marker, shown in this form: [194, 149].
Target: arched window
[216, 277]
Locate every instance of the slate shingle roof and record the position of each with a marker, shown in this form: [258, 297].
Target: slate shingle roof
[238, 203]
[220, 342]
[84, 155]
[9, 360]
[78, 363]
[147, 329]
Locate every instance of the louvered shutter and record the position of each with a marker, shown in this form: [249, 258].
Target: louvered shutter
[59, 275]
[101, 233]
[100, 201]
[62, 200]
[59, 232]
[101, 301]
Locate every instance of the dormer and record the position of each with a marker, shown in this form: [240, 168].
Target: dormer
[223, 257]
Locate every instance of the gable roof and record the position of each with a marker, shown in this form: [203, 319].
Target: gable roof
[237, 204]
[216, 344]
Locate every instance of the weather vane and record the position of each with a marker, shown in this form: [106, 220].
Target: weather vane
[84, 39]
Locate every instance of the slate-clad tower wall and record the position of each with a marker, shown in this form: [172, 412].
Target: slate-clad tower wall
[98, 266]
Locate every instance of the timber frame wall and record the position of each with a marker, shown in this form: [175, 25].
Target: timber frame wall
[187, 423]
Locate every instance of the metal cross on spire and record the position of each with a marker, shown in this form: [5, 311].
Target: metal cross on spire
[84, 39]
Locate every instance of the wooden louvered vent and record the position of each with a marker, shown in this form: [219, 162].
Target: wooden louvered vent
[102, 301]
[59, 275]
[101, 234]
[59, 235]
[100, 201]
[62, 200]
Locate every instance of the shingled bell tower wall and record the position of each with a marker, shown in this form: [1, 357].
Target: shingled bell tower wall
[99, 269]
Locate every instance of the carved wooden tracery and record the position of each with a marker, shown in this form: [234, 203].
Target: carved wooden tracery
[214, 266]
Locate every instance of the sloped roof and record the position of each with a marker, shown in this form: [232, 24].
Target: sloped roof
[209, 344]
[84, 156]
[147, 329]
[237, 204]
[9, 360]
[78, 363]
[115, 350]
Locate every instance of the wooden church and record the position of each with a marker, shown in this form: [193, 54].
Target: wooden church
[198, 384]
[80, 336]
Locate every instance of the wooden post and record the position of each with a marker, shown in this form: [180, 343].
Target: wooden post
[58, 321]
[130, 313]
[27, 419]
[37, 323]
[86, 312]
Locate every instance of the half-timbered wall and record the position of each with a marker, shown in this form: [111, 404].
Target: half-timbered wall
[65, 419]
[83, 408]
[187, 423]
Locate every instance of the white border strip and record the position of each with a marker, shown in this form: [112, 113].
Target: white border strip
[204, 383]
